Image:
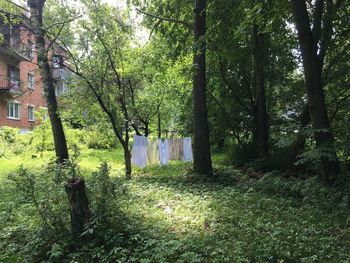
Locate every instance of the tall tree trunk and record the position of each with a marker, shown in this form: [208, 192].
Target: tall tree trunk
[262, 128]
[75, 188]
[159, 123]
[201, 154]
[316, 99]
[36, 11]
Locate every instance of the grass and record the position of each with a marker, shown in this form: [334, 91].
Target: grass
[88, 161]
[171, 215]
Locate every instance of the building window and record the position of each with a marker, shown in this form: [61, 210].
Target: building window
[30, 50]
[14, 77]
[13, 110]
[31, 113]
[31, 81]
[57, 61]
[60, 87]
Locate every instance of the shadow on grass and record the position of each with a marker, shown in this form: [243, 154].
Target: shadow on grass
[180, 217]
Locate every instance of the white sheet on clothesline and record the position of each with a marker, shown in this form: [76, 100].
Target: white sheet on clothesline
[139, 151]
[187, 150]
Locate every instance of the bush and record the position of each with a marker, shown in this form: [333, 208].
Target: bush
[239, 155]
[42, 137]
[75, 136]
[100, 139]
[8, 134]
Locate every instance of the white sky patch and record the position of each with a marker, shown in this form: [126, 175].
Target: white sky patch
[141, 33]
[116, 3]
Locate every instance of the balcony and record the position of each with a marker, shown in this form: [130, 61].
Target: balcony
[13, 47]
[8, 85]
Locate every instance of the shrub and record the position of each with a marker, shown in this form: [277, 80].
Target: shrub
[75, 136]
[100, 139]
[42, 137]
[8, 134]
[239, 155]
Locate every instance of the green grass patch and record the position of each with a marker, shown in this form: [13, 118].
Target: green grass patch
[167, 214]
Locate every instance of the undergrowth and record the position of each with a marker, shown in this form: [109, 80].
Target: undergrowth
[168, 214]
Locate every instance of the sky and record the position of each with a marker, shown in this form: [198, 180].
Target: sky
[141, 33]
[116, 3]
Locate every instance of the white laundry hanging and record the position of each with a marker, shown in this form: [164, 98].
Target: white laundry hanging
[139, 151]
[153, 151]
[163, 152]
[187, 150]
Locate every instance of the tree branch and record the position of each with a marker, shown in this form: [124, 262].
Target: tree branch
[316, 29]
[184, 23]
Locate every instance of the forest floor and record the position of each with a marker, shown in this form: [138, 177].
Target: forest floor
[168, 214]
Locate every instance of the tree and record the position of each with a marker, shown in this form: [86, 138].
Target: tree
[36, 10]
[314, 43]
[105, 40]
[201, 147]
[260, 48]
[75, 188]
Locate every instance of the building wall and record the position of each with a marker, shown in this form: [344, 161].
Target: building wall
[29, 96]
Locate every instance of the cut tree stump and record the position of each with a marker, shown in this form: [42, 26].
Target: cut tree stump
[79, 205]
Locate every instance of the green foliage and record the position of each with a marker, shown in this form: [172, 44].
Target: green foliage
[314, 155]
[8, 135]
[103, 191]
[13, 143]
[98, 138]
[240, 154]
[166, 214]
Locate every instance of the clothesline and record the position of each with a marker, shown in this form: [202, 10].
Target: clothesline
[157, 151]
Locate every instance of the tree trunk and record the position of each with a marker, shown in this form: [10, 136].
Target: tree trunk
[127, 159]
[36, 10]
[127, 154]
[80, 212]
[159, 124]
[201, 154]
[146, 129]
[262, 128]
[79, 206]
[316, 99]
[136, 129]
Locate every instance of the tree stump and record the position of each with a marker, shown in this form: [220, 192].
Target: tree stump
[79, 205]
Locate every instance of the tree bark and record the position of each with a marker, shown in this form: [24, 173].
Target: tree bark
[316, 100]
[127, 159]
[136, 129]
[201, 154]
[261, 116]
[36, 10]
[146, 129]
[79, 206]
[159, 123]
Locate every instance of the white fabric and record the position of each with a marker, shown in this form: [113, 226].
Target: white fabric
[153, 151]
[187, 149]
[139, 151]
[163, 152]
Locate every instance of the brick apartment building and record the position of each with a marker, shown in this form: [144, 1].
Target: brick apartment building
[21, 92]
